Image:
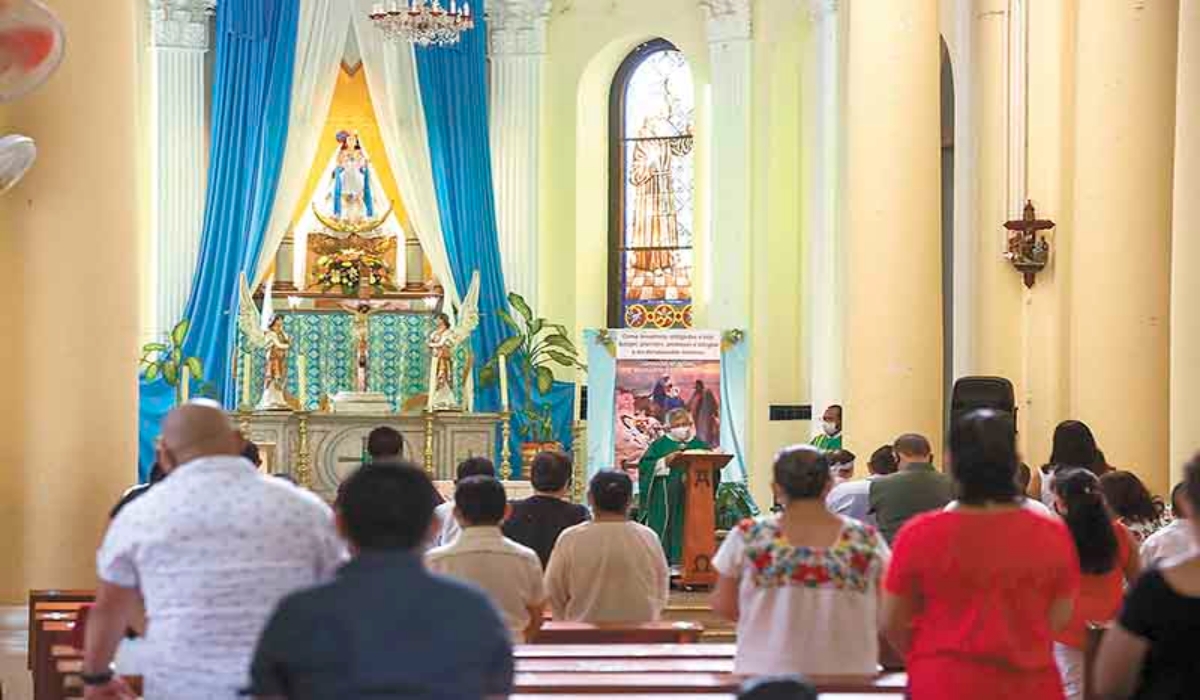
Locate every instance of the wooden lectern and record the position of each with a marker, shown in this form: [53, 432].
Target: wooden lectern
[702, 471]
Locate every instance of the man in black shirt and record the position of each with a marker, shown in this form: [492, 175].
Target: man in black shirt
[537, 521]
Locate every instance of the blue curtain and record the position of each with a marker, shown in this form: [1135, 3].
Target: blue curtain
[256, 47]
[602, 403]
[454, 92]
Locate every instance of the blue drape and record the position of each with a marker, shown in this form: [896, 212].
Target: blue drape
[252, 90]
[454, 91]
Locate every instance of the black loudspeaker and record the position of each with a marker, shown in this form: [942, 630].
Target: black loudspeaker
[971, 393]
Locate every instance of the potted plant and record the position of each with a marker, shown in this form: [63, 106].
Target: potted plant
[166, 360]
[533, 349]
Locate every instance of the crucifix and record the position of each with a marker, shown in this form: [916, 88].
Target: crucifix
[1027, 249]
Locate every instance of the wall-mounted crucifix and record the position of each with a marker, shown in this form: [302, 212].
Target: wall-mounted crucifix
[1027, 249]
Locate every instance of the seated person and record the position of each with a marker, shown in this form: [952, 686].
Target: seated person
[444, 514]
[509, 573]
[851, 498]
[537, 521]
[841, 465]
[1173, 540]
[609, 569]
[385, 627]
[915, 488]
[385, 444]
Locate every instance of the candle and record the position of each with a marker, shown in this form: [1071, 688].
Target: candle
[302, 381]
[504, 383]
[184, 384]
[377, 9]
[247, 401]
[466, 9]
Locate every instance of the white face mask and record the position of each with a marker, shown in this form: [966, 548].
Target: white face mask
[681, 434]
[830, 429]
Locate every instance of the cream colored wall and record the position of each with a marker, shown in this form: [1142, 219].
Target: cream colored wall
[586, 42]
[69, 305]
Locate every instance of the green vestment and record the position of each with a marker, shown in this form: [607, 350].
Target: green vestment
[826, 443]
[661, 504]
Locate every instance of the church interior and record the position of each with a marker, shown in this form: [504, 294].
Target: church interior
[520, 234]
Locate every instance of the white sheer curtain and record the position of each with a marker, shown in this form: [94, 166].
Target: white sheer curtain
[321, 33]
[392, 79]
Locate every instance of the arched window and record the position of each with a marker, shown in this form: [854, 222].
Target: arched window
[652, 183]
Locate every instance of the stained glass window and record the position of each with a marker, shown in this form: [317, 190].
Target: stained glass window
[652, 173]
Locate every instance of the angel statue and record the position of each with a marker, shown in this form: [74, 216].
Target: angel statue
[442, 342]
[274, 342]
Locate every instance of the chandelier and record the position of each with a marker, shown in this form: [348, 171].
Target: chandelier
[423, 22]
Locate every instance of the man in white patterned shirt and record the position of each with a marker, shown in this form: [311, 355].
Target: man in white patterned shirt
[211, 551]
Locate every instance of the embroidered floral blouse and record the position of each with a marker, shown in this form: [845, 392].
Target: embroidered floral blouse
[805, 609]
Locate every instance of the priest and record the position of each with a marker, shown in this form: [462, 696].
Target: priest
[661, 504]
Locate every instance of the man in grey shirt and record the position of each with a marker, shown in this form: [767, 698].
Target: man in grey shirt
[915, 488]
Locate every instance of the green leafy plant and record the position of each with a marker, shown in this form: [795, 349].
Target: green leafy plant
[165, 360]
[535, 347]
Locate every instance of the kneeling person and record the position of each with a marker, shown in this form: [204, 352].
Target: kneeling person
[509, 573]
[343, 639]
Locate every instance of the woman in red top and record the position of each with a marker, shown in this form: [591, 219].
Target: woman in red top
[1107, 558]
[974, 595]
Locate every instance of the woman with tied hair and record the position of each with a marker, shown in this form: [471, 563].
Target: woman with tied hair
[802, 585]
[1074, 446]
[1151, 651]
[1108, 558]
[974, 595]
[1136, 509]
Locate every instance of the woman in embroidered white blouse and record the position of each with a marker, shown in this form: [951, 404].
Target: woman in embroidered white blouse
[802, 585]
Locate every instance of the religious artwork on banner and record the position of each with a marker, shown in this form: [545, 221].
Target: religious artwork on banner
[658, 371]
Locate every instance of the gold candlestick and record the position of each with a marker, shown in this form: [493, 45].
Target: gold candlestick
[429, 444]
[579, 471]
[505, 450]
[303, 470]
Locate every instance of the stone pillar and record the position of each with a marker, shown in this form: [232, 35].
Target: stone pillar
[285, 265]
[1185, 247]
[518, 49]
[893, 330]
[1120, 257]
[728, 244]
[825, 263]
[178, 147]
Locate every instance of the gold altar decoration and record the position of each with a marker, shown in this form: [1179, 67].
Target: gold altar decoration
[352, 264]
[354, 228]
[429, 443]
[505, 449]
[579, 460]
[303, 469]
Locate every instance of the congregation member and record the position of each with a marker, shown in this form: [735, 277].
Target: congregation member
[210, 550]
[802, 585]
[138, 490]
[830, 437]
[915, 488]
[509, 573]
[444, 513]
[537, 521]
[1175, 539]
[1073, 445]
[1108, 559]
[1150, 653]
[852, 498]
[385, 627]
[609, 569]
[973, 597]
[1137, 510]
[841, 465]
[1034, 505]
[385, 445]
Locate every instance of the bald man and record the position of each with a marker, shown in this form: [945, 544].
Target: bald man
[211, 550]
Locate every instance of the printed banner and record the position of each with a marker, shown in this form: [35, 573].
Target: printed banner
[668, 345]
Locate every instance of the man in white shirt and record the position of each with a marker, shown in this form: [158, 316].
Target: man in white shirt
[210, 550]
[1176, 538]
[511, 574]
[471, 466]
[853, 498]
[610, 569]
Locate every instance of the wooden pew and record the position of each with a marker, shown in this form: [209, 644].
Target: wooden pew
[688, 683]
[698, 696]
[625, 651]
[625, 665]
[53, 601]
[647, 633]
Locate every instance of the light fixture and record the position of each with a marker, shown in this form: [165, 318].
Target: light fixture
[423, 22]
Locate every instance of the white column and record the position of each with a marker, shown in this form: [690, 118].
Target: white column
[728, 245]
[518, 48]
[178, 142]
[822, 140]
[1185, 247]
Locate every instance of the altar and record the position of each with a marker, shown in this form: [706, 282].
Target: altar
[319, 450]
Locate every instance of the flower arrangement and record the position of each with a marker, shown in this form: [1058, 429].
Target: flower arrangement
[350, 268]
